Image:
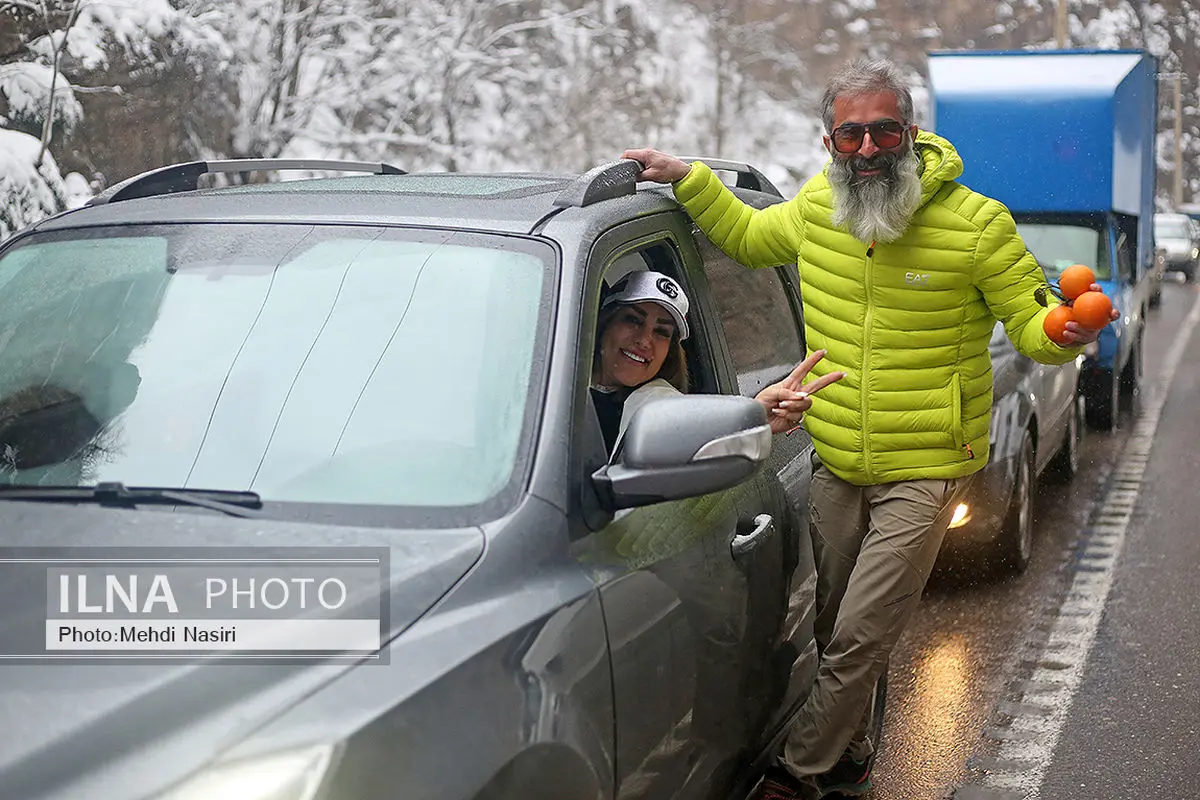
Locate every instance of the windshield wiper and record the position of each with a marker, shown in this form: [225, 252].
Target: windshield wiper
[234, 503]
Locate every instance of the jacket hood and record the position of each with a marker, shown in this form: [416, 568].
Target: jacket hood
[940, 163]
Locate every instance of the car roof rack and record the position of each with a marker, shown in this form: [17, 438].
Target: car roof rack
[609, 180]
[747, 176]
[186, 177]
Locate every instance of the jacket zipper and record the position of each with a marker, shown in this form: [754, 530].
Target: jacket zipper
[956, 411]
[956, 416]
[864, 374]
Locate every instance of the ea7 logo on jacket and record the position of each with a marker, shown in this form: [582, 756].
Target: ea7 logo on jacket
[917, 278]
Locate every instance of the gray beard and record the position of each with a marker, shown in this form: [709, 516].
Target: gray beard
[879, 208]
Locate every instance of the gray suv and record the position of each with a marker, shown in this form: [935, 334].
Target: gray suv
[402, 361]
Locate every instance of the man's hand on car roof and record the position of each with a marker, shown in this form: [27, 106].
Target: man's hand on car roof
[658, 166]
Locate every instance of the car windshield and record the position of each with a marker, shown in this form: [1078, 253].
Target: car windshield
[320, 364]
[1057, 246]
[1172, 229]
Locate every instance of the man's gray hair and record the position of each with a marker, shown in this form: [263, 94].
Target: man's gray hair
[867, 76]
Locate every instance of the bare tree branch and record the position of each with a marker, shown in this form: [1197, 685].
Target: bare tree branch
[48, 122]
[118, 90]
[527, 25]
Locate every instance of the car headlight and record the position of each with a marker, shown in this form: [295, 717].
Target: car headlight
[290, 775]
[1195, 252]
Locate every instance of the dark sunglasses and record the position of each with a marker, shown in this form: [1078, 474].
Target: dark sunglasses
[885, 133]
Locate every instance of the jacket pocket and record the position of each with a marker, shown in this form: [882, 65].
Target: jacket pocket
[956, 415]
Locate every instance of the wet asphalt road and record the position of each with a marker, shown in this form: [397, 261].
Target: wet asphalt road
[959, 675]
[1132, 731]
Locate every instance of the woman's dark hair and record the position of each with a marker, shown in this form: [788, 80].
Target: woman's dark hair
[674, 369]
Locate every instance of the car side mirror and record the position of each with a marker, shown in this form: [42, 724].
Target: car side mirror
[686, 446]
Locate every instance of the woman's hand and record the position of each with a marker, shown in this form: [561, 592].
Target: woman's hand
[787, 400]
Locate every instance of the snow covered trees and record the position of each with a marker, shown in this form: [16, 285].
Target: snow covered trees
[109, 88]
[43, 43]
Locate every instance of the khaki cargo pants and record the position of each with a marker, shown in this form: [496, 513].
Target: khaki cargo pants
[875, 547]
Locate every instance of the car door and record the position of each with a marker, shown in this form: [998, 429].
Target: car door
[762, 324]
[678, 602]
[1058, 386]
[1054, 387]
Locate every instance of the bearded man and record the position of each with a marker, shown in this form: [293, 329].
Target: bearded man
[904, 272]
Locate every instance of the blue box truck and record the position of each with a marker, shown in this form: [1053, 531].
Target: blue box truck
[1065, 139]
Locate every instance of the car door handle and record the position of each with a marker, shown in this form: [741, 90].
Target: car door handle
[764, 526]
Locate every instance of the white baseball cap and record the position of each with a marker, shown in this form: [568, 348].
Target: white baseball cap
[643, 286]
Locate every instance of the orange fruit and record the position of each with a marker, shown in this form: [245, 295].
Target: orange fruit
[1093, 310]
[1055, 324]
[1075, 280]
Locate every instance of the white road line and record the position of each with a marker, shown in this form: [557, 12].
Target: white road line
[1024, 756]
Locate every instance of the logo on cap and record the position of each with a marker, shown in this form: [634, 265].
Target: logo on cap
[668, 288]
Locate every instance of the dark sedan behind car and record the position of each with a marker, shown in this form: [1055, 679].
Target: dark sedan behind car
[1036, 435]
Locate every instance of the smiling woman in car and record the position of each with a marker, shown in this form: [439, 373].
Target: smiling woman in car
[639, 357]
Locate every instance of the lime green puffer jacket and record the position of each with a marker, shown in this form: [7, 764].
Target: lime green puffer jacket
[907, 321]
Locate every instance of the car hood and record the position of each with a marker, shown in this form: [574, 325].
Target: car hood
[105, 723]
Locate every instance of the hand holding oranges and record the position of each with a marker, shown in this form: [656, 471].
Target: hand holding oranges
[1084, 312]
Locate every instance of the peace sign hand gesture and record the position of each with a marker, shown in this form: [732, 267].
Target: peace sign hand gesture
[787, 400]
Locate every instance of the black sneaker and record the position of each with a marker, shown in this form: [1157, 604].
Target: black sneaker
[847, 777]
